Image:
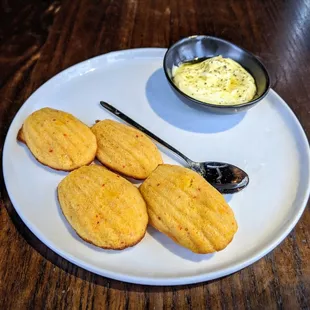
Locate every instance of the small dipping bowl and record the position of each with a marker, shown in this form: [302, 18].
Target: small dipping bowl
[203, 47]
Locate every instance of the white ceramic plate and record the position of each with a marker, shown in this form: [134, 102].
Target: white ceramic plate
[267, 142]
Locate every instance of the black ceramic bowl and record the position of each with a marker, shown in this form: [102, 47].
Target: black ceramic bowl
[194, 47]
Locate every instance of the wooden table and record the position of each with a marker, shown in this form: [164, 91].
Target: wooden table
[41, 38]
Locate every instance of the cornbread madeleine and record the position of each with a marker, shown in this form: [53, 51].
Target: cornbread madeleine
[182, 205]
[125, 149]
[103, 208]
[58, 139]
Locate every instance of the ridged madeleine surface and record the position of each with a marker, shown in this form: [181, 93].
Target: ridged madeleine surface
[103, 208]
[182, 205]
[125, 149]
[58, 139]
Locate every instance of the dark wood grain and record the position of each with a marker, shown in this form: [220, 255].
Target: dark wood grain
[40, 38]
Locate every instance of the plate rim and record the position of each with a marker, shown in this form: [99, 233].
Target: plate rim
[162, 281]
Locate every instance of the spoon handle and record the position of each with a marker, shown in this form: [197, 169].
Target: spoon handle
[141, 128]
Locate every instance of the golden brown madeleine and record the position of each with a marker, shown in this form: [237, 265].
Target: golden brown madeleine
[103, 208]
[58, 139]
[182, 205]
[125, 149]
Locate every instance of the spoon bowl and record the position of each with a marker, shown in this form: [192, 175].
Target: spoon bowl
[226, 178]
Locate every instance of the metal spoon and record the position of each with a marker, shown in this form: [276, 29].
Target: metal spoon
[226, 178]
